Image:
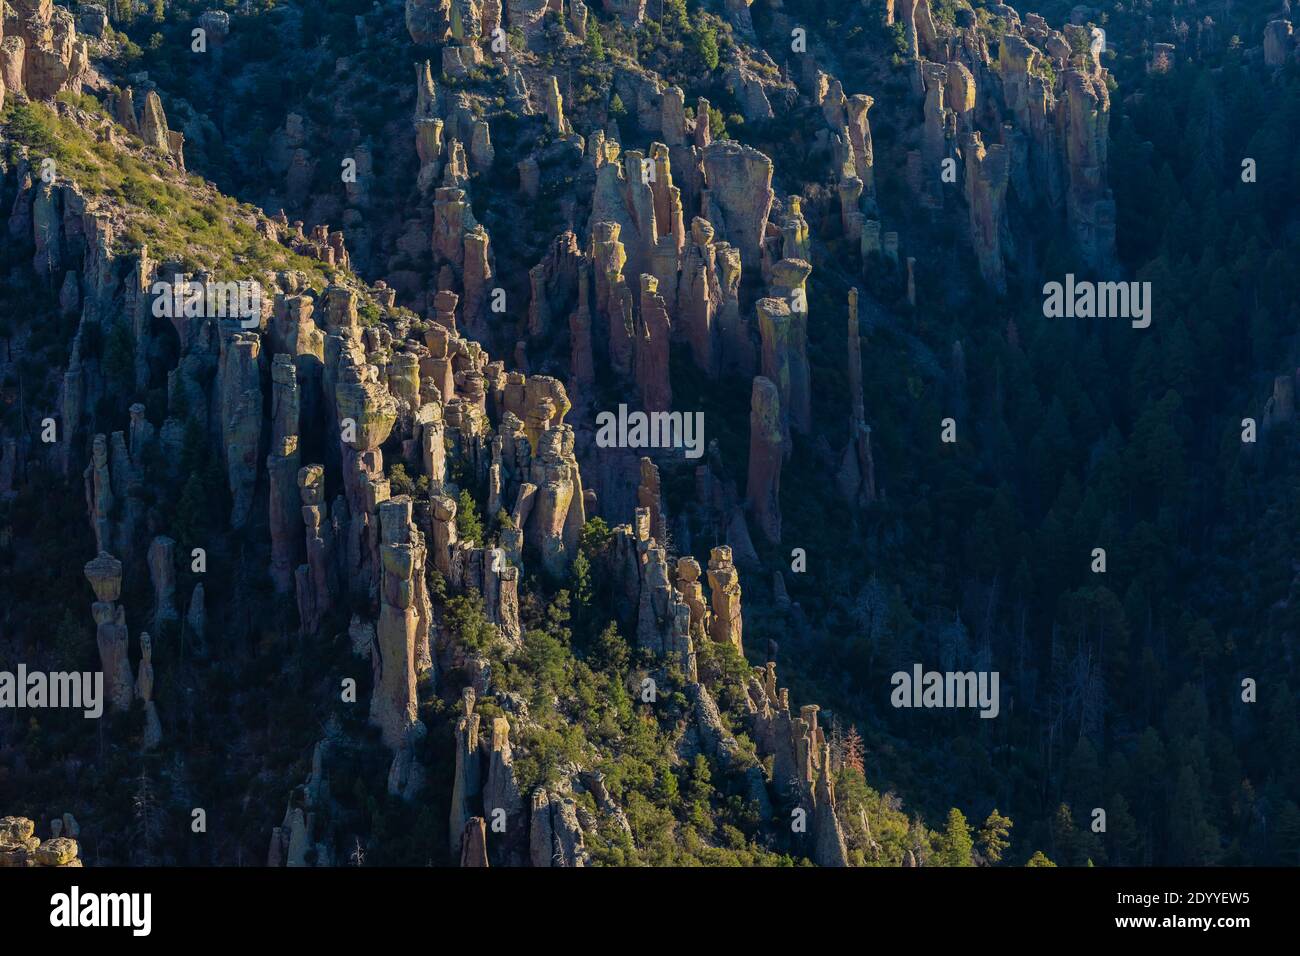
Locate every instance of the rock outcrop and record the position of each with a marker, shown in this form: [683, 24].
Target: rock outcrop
[1089, 204]
[402, 631]
[987, 176]
[801, 768]
[857, 475]
[654, 330]
[239, 374]
[555, 836]
[105, 576]
[467, 782]
[724, 591]
[740, 196]
[1279, 42]
[162, 572]
[765, 456]
[42, 54]
[282, 465]
[20, 847]
[778, 328]
[315, 581]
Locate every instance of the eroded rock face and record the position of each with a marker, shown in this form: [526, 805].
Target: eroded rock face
[404, 619]
[1059, 135]
[105, 576]
[735, 335]
[419, 389]
[1280, 407]
[113, 494]
[452, 218]
[765, 456]
[1089, 204]
[788, 283]
[151, 737]
[829, 849]
[740, 196]
[987, 176]
[1278, 42]
[473, 843]
[367, 410]
[527, 15]
[631, 12]
[718, 742]
[857, 475]
[48, 57]
[700, 296]
[428, 21]
[581, 360]
[652, 347]
[960, 95]
[554, 283]
[162, 572]
[557, 512]
[153, 130]
[20, 847]
[649, 496]
[12, 53]
[316, 580]
[479, 272]
[776, 325]
[613, 296]
[936, 77]
[801, 767]
[241, 417]
[724, 596]
[501, 795]
[555, 836]
[286, 517]
[555, 108]
[467, 782]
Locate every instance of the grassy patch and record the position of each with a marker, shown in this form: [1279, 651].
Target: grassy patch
[178, 216]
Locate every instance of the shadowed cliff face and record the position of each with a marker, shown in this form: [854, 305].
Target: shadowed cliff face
[458, 461]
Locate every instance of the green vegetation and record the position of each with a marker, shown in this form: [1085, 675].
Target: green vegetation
[469, 526]
[595, 43]
[1126, 684]
[176, 216]
[956, 845]
[399, 481]
[706, 43]
[584, 711]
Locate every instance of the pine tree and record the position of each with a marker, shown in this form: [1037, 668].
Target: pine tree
[993, 836]
[1065, 837]
[853, 750]
[595, 42]
[706, 43]
[955, 843]
[469, 527]
[1193, 841]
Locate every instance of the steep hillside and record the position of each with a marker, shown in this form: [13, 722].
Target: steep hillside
[315, 321]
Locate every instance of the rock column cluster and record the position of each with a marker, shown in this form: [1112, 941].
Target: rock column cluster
[20, 847]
